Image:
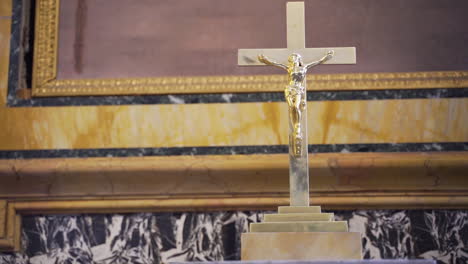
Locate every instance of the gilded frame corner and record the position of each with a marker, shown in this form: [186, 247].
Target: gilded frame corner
[45, 82]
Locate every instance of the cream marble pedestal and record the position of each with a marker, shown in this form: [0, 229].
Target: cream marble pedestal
[300, 233]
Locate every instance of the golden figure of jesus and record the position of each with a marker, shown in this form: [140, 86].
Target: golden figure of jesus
[296, 91]
[295, 94]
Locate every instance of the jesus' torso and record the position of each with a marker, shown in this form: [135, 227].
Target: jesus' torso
[297, 76]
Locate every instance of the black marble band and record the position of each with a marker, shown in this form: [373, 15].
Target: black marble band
[15, 54]
[230, 150]
[237, 98]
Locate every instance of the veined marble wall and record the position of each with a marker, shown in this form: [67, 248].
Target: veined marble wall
[193, 120]
[165, 237]
[419, 120]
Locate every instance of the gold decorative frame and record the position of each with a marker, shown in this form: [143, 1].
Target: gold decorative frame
[238, 182]
[45, 82]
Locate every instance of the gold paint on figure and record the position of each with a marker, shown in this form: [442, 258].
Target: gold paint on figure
[296, 92]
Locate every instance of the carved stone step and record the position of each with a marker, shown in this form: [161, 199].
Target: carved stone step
[299, 209]
[317, 226]
[302, 246]
[298, 217]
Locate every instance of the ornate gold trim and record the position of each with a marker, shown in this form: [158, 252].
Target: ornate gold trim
[46, 84]
[3, 211]
[12, 227]
[46, 43]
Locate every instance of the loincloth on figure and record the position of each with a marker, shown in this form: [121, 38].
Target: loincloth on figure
[294, 93]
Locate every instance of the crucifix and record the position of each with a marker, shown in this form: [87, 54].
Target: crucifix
[299, 60]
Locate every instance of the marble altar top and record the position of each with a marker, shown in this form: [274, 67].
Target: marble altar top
[369, 261]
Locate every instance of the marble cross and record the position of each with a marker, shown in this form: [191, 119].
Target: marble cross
[296, 44]
[299, 59]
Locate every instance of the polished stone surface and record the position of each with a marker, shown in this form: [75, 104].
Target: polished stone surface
[5, 9]
[5, 25]
[299, 209]
[231, 150]
[233, 98]
[247, 124]
[315, 226]
[300, 232]
[301, 246]
[373, 261]
[184, 122]
[298, 217]
[215, 236]
[3, 211]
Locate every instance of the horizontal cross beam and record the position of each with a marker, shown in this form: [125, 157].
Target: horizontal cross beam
[296, 44]
[342, 55]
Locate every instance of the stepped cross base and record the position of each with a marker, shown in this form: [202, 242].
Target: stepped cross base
[300, 233]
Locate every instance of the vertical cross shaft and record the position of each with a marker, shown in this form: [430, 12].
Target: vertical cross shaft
[295, 91]
[298, 162]
[295, 24]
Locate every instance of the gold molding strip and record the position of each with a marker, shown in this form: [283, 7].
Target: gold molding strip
[46, 42]
[3, 212]
[12, 239]
[449, 199]
[46, 84]
[6, 9]
[258, 83]
[376, 201]
[238, 176]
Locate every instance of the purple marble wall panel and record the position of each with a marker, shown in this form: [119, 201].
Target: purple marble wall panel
[154, 38]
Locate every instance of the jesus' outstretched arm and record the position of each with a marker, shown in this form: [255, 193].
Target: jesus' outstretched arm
[264, 59]
[322, 60]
